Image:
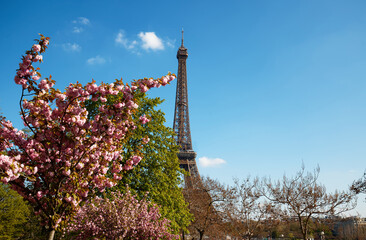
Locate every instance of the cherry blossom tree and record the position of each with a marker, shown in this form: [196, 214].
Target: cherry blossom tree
[67, 157]
[120, 217]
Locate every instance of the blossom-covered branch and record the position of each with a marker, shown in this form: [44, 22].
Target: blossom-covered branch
[68, 156]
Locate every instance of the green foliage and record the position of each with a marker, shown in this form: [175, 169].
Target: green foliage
[17, 218]
[158, 174]
[33, 229]
[291, 236]
[14, 213]
[275, 234]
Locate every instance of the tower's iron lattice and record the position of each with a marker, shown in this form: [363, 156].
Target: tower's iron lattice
[186, 155]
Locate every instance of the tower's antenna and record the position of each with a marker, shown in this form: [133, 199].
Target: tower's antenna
[182, 37]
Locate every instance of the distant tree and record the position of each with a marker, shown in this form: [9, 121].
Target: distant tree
[33, 229]
[303, 198]
[17, 216]
[323, 228]
[247, 211]
[288, 228]
[14, 213]
[206, 199]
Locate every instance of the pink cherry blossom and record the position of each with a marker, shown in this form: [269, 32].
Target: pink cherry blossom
[36, 47]
[38, 58]
[145, 140]
[39, 195]
[80, 165]
[144, 119]
[164, 81]
[143, 88]
[68, 156]
[36, 77]
[122, 217]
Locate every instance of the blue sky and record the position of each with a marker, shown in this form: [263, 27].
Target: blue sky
[272, 84]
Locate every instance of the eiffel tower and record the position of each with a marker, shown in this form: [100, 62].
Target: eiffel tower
[186, 155]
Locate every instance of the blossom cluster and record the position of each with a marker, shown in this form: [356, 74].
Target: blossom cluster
[121, 217]
[27, 75]
[68, 155]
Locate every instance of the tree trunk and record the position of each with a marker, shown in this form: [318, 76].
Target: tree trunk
[201, 234]
[52, 234]
[305, 235]
[303, 228]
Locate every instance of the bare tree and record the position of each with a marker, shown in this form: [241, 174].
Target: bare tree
[246, 211]
[303, 198]
[359, 186]
[205, 198]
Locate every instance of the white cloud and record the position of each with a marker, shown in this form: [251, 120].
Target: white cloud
[170, 43]
[151, 41]
[122, 40]
[211, 162]
[71, 47]
[134, 42]
[78, 29]
[146, 41]
[82, 20]
[96, 60]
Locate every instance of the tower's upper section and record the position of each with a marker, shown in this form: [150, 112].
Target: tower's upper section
[182, 51]
[181, 113]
